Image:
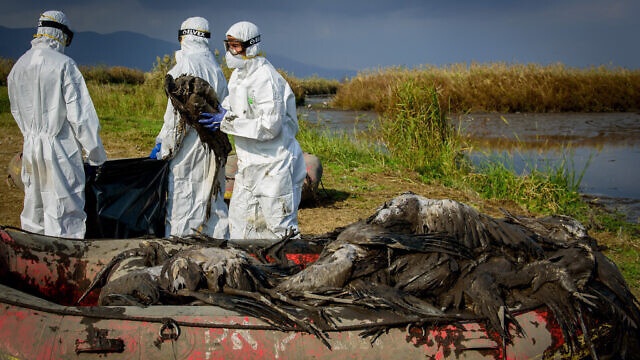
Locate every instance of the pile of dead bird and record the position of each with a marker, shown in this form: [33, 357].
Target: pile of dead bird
[427, 261]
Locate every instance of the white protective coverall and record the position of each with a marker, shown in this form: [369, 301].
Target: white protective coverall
[192, 166]
[53, 109]
[261, 114]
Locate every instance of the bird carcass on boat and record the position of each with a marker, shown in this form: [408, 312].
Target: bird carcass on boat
[418, 278]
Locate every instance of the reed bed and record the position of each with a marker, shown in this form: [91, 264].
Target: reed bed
[501, 87]
[112, 75]
[315, 85]
[416, 132]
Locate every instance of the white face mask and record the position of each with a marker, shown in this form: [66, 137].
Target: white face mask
[234, 61]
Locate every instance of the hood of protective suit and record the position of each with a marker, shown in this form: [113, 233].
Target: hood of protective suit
[244, 31]
[194, 34]
[52, 34]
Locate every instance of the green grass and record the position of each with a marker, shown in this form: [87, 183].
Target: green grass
[5, 105]
[123, 100]
[341, 152]
[129, 114]
[414, 133]
[551, 189]
[417, 134]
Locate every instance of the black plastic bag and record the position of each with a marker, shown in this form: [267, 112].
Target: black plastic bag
[126, 198]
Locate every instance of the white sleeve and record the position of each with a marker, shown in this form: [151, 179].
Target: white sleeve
[82, 115]
[255, 113]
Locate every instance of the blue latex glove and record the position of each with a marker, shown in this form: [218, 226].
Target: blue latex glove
[212, 121]
[155, 151]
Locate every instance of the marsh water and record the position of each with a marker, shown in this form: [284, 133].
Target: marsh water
[602, 150]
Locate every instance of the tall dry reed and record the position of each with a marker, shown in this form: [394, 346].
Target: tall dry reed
[502, 87]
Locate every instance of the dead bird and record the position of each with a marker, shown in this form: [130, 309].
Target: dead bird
[217, 267]
[460, 260]
[366, 253]
[560, 230]
[429, 260]
[191, 96]
[148, 254]
[522, 262]
[214, 275]
[466, 226]
[136, 288]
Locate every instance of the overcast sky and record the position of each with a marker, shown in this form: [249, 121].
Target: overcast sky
[369, 34]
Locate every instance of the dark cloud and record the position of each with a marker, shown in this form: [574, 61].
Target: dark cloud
[367, 34]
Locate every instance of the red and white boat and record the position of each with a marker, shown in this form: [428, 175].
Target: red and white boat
[43, 278]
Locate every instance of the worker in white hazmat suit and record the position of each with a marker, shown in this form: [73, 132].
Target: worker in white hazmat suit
[261, 115]
[192, 165]
[53, 109]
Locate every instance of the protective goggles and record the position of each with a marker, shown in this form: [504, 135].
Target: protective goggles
[61, 27]
[244, 44]
[194, 32]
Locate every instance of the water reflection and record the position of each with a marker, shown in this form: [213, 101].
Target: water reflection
[603, 147]
[553, 130]
[316, 111]
[608, 174]
[608, 143]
